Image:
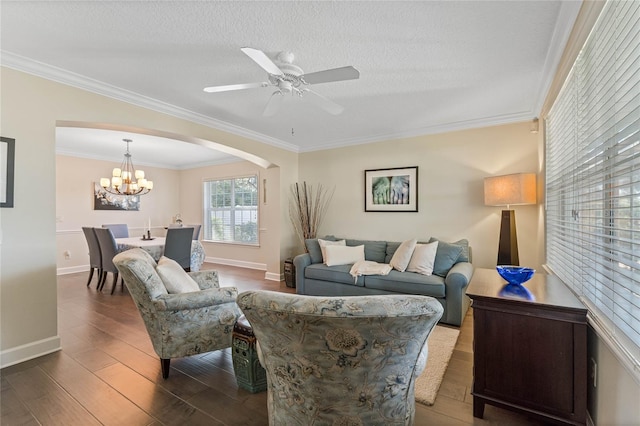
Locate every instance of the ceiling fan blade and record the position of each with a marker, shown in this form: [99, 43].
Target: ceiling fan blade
[274, 104]
[214, 89]
[263, 60]
[335, 74]
[324, 103]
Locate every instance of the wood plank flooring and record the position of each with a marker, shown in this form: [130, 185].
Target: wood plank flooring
[108, 374]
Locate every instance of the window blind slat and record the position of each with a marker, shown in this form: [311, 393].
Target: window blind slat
[593, 175]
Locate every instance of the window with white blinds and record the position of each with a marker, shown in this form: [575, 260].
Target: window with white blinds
[593, 176]
[231, 210]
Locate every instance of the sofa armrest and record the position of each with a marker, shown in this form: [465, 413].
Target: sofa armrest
[205, 279]
[196, 299]
[300, 262]
[458, 277]
[456, 282]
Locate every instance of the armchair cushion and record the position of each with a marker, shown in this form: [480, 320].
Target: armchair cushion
[174, 278]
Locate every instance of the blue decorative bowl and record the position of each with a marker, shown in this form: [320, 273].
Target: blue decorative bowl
[515, 274]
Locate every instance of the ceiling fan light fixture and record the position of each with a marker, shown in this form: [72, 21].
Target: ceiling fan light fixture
[290, 78]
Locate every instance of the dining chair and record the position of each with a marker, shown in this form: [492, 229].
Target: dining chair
[177, 246]
[196, 231]
[119, 230]
[95, 256]
[108, 249]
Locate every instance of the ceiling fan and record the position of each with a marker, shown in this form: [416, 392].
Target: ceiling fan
[290, 79]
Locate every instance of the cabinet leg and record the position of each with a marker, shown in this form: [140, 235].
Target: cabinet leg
[478, 408]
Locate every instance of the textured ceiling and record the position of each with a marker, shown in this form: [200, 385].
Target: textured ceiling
[425, 67]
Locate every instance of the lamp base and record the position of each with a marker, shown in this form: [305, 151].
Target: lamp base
[508, 245]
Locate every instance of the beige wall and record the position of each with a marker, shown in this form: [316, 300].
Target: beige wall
[74, 207]
[176, 191]
[31, 108]
[451, 169]
[269, 226]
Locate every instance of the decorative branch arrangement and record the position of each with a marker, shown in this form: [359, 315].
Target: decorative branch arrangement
[307, 208]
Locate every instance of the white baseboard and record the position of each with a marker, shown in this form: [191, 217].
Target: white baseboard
[238, 263]
[73, 270]
[29, 351]
[272, 276]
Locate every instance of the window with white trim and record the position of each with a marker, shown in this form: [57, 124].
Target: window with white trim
[231, 210]
[593, 177]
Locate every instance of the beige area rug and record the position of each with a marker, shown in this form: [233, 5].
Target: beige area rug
[441, 342]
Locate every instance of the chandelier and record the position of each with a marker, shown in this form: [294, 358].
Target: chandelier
[121, 183]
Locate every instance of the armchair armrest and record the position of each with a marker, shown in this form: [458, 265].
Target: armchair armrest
[195, 299]
[205, 279]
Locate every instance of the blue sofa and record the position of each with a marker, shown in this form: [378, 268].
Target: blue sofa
[448, 283]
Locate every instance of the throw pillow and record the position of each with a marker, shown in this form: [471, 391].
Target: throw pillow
[464, 243]
[313, 248]
[343, 255]
[174, 278]
[325, 243]
[423, 258]
[402, 256]
[447, 255]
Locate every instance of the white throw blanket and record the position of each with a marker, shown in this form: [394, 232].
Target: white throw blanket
[368, 267]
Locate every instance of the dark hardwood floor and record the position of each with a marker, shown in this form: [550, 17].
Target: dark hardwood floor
[107, 372]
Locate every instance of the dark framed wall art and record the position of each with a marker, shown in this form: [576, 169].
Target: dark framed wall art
[391, 190]
[102, 200]
[7, 170]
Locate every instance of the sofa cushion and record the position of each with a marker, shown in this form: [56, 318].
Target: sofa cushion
[339, 274]
[465, 255]
[408, 283]
[403, 254]
[392, 246]
[446, 256]
[343, 255]
[325, 243]
[423, 258]
[313, 248]
[374, 251]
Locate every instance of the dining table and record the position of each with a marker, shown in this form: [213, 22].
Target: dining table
[155, 247]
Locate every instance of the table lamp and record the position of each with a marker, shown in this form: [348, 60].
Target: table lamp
[507, 190]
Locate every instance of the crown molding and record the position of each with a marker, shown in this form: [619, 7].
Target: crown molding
[59, 75]
[430, 130]
[567, 17]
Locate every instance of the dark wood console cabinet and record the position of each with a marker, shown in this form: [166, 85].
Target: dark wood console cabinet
[530, 356]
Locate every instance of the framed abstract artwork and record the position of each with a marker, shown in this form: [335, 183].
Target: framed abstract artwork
[7, 169]
[391, 190]
[102, 200]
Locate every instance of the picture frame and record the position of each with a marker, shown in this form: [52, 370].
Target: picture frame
[391, 190]
[7, 170]
[102, 200]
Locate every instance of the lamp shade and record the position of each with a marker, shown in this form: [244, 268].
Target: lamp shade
[514, 189]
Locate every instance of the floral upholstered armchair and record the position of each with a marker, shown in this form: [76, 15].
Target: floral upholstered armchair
[179, 324]
[341, 360]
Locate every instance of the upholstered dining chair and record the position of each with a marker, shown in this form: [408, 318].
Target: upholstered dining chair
[179, 324]
[95, 257]
[108, 249]
[196, 231]
[177, 246]
[341, 360]
[119, 230]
